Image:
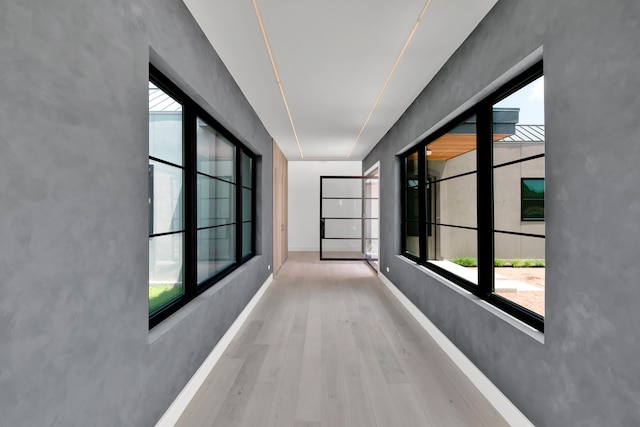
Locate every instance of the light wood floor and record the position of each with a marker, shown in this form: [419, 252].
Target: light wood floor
[328, 345]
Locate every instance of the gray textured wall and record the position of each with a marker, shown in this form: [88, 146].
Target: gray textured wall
[75, 349]
[587, 371]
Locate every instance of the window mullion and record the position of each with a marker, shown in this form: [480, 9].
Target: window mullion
[403, 205]
[422, 206]
[254, 218]
[191, 200]
[485, 199]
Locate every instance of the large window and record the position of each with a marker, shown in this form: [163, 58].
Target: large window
[201, 199]
[473, 199]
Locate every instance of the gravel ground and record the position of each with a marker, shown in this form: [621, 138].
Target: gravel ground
[533, 300]
[532, 276]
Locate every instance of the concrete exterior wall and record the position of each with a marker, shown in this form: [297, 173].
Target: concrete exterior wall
[584, 370]
[507, 201]
[455, 203]
[75, 345]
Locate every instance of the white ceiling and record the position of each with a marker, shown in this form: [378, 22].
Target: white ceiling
[333, 58]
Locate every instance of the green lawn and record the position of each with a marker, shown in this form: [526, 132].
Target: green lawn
[472, 262]
[159, 295]
[465, 262]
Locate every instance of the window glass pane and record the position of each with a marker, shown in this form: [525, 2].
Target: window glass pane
[518, 124]
[165, 198]
[371, 208]
[411, 169]
[342, 187]
[342, 249]
[412, 230]
[456, 250]
[532, 195]
[412, 206]
[454, 201]
[166, 269]
[341, 208]
[215, 154]
[450, 190]
[247, 175]
[371, 222]
[519, 270]
[371, 187]
[371, 227]
[246, 204]
[519, 139]
[519, 207]
[216, 250]
[342, 228]
[430, 212]
[246, 238]
[216, 202]
[412, 243]
[246, 166]
[371, 249]
[165, 126]
[532, 209]
[454, 152]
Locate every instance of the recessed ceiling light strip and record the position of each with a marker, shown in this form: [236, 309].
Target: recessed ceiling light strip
[275, 72]
[386, 82]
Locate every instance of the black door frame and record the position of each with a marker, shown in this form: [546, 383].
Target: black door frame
[362, 217]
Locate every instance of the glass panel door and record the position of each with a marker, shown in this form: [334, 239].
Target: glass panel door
[372, 210]
[346, 219]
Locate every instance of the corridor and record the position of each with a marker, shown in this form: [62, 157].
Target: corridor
[329, 345]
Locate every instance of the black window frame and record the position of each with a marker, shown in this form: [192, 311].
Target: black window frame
[483, 110]
[191, 113]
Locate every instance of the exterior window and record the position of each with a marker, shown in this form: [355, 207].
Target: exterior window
[247, 206]
[518, 153]
[201, 200]
[166, 201]
[216, 193]
[479, 220]
[532, 199]
[411, 205]
[451, 170]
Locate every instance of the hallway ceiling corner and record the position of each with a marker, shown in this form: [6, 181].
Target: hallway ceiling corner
[347, 70]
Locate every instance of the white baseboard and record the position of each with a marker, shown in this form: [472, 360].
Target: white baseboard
[172, 415]
[496, 398]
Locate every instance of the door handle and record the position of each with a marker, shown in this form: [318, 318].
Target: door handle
[322, 228]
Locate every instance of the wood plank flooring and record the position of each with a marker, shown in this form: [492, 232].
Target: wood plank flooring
[328, 345]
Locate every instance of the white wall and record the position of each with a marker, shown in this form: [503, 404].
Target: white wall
[304, 199]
